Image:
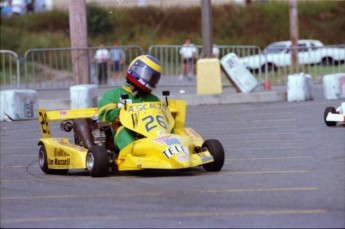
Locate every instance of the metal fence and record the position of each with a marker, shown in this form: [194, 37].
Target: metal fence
[9, 70]
[53, 68]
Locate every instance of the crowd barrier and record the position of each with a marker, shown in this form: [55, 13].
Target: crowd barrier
[53, 68]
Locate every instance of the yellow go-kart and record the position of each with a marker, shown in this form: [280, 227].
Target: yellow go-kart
[163, 142]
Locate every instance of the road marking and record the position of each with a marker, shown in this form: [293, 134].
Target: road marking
[263, 189]
[110, 195]
[265, 140]
[275, 120]
[19, 147]
[170, 215]
[128, 177]
[269, 158]
[262, 127]
[263, 172]
[267, 148]
[15, 166]
[260, 134]
[19, 155]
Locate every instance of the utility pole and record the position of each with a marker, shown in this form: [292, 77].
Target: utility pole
[78, 35]
[206, 18]
[294, 31]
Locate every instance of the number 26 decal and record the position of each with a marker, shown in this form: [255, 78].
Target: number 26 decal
[151, 122]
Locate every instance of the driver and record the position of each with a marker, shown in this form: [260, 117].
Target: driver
[143, 75]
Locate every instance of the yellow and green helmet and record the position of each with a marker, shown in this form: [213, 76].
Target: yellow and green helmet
[144, 72]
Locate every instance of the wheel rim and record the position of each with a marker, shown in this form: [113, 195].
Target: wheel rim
[41, 158]
[90, 161]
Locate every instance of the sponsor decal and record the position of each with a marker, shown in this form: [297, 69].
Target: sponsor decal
[146, 106]
[204, 157]
[174, 150]
[58, 153]
[63, 112]
[182, 157]
[167, 139]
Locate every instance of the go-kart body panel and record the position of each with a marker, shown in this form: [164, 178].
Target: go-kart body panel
[338, 116]
[161, 149]
[335, 117]
[63, 155]
[165, 142]
[168, 151]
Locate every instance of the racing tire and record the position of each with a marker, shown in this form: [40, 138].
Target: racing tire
[329, 110]
[43, 162]
[97, 161]
[217, 151]
[327, 61]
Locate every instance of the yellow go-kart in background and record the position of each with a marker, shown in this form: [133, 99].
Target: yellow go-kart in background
[163, 141]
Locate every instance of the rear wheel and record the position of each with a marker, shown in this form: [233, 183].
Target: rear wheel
[327, 61]
[97, 161]
[43, 161]
[329, 110]
[217, 151]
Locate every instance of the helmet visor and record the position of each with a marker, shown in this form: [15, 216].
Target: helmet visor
[144, 73]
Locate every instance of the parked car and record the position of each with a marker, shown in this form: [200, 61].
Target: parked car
[278, 54]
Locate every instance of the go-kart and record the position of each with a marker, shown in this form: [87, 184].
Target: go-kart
[162, 141]
[332, 115]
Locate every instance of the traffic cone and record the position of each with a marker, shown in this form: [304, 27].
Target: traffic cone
[267, 85]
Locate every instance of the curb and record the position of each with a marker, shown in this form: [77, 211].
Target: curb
[191, 100]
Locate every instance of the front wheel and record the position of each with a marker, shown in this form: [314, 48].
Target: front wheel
[97, 161]
[43, 161]
[329, 110]
[217, 151]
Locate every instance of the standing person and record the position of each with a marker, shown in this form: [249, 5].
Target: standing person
[102, 57]
[215, 51]
[143, 75]
[30, 6]
[189, 55]
[118, 58]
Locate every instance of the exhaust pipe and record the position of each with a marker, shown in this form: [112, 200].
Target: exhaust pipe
[82, 128]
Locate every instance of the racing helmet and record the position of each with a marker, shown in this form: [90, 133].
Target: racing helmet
[144, 72]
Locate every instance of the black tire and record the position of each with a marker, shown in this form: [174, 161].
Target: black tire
[328, 110]
[327, 61]
[270, 67]
[217, 151]
[97, 161]
[43, 162]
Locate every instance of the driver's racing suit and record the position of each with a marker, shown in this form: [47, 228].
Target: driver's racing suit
[109, 108]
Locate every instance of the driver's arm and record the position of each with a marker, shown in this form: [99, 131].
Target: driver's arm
[108, 110]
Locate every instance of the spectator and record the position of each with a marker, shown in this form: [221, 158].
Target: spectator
[215, 52]
[189, 55]
[118, 58]
[102, 58]
[30, 6]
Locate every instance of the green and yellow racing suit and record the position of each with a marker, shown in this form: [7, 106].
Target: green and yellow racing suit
[108, 111]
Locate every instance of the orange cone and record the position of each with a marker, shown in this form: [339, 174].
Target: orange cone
[267, 85]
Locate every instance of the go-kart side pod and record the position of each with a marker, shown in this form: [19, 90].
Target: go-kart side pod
[217, 151]
[43, 162]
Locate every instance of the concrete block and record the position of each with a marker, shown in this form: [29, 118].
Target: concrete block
[209, 79]
[18, 104]
[299, 87]
[237, 73]
[334, 86]
[83, 96]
